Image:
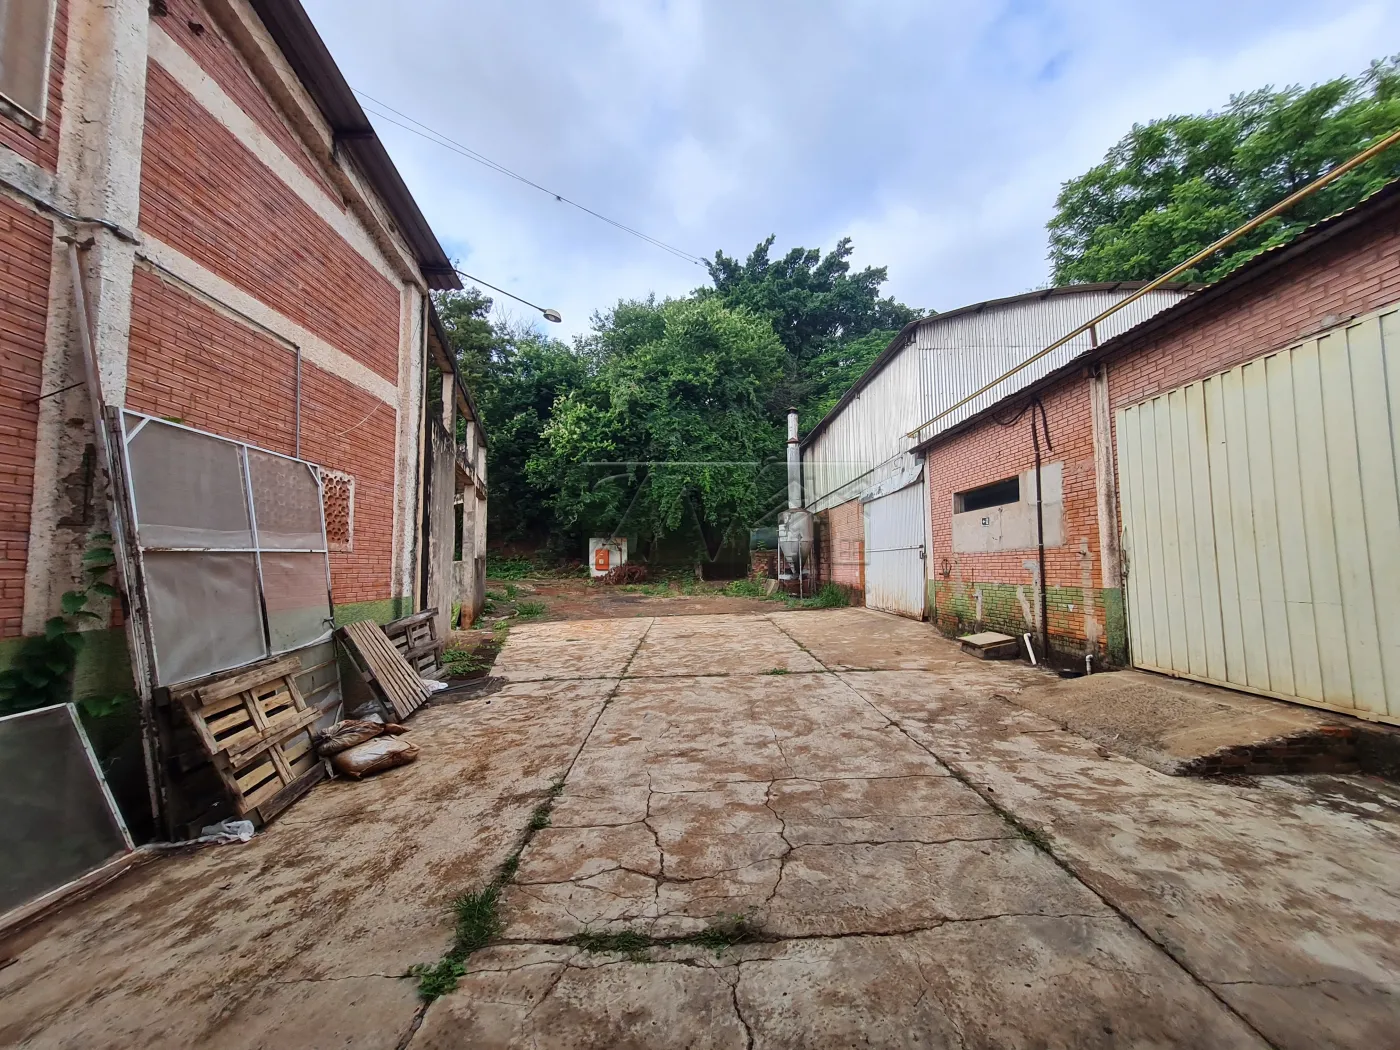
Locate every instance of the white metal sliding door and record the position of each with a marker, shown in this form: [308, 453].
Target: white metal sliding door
[894, 551]
[1262, 523]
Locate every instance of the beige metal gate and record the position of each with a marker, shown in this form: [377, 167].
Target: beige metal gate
[894, 551]
[1262, 524]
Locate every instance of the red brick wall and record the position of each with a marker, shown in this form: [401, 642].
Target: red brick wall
[42, 149]
[1352, 275]
[843, 547]
[207, 196]
[991, 452]
[25, 247]
[1356, 274]
[194, 29]
[190, 362]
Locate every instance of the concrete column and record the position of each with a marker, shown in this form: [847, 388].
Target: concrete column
[99, 176]
[410, 453]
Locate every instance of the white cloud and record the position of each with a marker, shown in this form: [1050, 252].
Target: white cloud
[936, 134]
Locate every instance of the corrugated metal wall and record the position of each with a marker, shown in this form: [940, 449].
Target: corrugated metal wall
[1262, 523]
[894, 551]
[949, 359]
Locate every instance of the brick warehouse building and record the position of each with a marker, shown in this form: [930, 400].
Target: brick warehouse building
[860, 475]
[1224, 502]
[252, 266]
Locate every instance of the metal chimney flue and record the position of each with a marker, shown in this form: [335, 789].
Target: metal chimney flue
[794, 463]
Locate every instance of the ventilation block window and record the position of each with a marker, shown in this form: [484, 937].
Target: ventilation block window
[996, 494]
[26, 31]
[338, 497]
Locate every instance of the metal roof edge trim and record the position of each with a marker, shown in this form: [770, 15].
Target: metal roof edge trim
[1307, 240]
[292, 30]
[898, 342]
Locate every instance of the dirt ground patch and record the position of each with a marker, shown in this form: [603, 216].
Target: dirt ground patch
[582, 599]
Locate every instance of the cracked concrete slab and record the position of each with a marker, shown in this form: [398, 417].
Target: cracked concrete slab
[571, 649]
[1285, 901]
[918, 861]
[302, 936]
[718, 645]
[1041, 982]
[530, 997]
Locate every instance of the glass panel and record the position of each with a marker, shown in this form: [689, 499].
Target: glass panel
[204, 612]
[188, 489]
[55, 824]
[298, 607]
[286, 502]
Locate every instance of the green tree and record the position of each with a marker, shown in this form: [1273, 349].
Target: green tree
[674, 428]
[818, 307]
[515, 375]
[1173, 186]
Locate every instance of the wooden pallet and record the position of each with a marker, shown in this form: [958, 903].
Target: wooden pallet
[254, 727]
[383, 667]
[416, 638]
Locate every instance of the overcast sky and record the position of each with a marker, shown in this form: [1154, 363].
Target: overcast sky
[934, 134]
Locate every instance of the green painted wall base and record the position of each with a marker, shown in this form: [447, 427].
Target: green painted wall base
[381, 611]
[1011, 609]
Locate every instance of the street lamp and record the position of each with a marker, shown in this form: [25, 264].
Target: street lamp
[548, 313]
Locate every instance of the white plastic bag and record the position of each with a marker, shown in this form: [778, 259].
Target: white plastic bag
[226, 831]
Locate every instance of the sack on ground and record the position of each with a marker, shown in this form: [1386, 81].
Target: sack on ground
[374, 756]
[352, 731]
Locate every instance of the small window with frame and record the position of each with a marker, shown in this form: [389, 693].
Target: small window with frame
[26, 43]
[997, 494]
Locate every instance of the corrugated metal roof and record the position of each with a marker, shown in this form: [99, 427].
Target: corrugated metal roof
[941, 360]
[1309, 239]
[898, 342]
[306, 53]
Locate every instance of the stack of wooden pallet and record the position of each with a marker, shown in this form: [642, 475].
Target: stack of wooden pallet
[255, 727]
[416, 638]
[394, 681]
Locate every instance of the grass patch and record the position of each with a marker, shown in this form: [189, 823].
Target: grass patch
[722, 933]
[457, 663]
[478, 918]
[512, 592]
[478, 921]
[499, 568]
[745, 588]
[529, 610]
[778, 670]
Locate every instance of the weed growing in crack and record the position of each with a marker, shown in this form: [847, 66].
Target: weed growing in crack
[725, 932]
[477, 922]
[722, 932]
[1034, 836]
[478, 914]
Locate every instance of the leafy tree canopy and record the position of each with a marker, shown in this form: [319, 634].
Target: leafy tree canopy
[1173, 186]
[515, 375]
[673, 429]
[817, 308]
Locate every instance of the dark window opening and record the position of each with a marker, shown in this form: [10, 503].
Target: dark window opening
[996, 494]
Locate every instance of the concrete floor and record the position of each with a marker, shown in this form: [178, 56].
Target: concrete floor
[927, 864]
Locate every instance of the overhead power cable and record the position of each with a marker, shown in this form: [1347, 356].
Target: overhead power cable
[422, 130]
